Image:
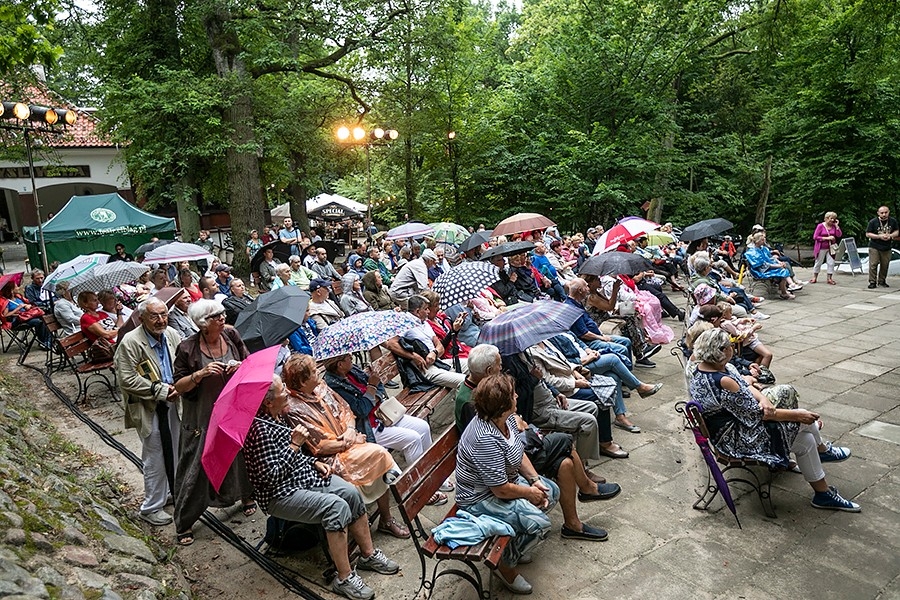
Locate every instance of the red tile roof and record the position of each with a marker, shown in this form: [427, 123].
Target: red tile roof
[85, 133]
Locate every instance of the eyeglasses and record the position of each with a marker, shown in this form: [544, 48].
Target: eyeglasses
[218, 315]
[157, 316]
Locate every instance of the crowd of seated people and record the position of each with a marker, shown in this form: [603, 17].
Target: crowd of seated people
[533, 423]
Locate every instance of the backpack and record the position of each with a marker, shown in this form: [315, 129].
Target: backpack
[288, 537]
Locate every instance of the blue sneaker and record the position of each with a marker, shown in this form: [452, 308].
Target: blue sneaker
[834, 453]
[832, 500]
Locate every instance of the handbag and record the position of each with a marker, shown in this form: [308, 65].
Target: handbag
[604, 389]
[626, 308]
[832, 249]
[390, 411]
[31, 313]
[100, 351]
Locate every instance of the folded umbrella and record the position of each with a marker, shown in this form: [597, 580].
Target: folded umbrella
[413, 229]
[233, 413]
[107, 276]
[176, 252]
[476, 239]
[361, 332]
[461, 284]
[71, 268]
[615, 263]
[507, 249]
[521, 222]
[714, 470]
[279, 249]
[272, 317]
[516, 330]
[706, 228]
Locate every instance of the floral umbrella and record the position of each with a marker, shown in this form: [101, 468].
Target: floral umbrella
[450, 233]
[362, 331]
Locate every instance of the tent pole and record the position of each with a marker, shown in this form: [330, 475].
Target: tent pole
[37, 204]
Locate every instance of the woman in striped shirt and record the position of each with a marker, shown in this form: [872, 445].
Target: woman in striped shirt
[494, 477]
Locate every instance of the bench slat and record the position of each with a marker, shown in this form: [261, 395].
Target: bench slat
[443, 449]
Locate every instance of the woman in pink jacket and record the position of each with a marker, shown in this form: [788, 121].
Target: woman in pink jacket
[827, 233]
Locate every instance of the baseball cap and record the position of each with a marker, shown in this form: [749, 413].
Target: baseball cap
[221, 268]
[318, 283]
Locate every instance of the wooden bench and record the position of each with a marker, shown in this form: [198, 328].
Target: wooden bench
[86, 373]
[413, 490]
[418, 404]
[741, 466]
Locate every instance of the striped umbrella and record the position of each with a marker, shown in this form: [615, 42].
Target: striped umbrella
[413, 229]
[72, 268]
[461, 284]
[107, 276]
[450, 233]
[519, 329]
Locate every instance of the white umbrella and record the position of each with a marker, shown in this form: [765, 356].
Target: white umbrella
[108, 276]
[413, 229]
[74, 267]
[177, 251]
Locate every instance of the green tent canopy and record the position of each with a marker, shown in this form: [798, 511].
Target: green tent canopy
[87, 224]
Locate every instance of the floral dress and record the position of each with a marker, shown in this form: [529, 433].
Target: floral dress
[735, 419]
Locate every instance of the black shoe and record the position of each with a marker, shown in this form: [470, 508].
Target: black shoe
[872, 286]
[681, 315]
[645, 363]
[626, 393]
[883, 284]
[650, 350]
[605, 491]
[587, 533]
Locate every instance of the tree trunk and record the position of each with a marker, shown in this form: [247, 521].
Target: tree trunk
[187, 204]
[298, 196]
[245, 193]
[763, 201]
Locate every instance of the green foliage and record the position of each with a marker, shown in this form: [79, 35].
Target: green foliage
[25, 27]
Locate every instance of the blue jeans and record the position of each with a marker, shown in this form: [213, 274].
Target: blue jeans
[530, 523]
[611, 366]
[620, 346]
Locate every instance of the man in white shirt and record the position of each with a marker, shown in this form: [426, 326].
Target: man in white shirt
[412, 278]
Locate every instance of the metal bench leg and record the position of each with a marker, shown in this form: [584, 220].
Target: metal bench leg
[474, 578]
[709, 493]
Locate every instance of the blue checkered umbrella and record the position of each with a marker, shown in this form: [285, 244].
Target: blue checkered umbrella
[523, 327]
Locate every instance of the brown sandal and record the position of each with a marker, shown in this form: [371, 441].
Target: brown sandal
[394, 528]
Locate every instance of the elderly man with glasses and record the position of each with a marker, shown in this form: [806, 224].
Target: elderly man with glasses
[144, 370]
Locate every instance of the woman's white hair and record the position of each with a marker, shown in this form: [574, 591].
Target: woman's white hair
[710, 346]
[482, 357]
[701, 263]
[201, 310]
[282, 268]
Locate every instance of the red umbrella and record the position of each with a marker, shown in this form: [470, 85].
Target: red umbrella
[611, 238]
[233, 413]
[522, 222]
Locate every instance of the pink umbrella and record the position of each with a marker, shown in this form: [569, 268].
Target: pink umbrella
[520, 222]
[233, 413]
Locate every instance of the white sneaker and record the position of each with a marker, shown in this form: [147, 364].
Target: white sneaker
[353, 587]
[759, 316]
[157, 518]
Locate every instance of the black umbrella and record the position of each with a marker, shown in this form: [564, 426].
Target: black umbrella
[507, 249]
[145, 248]
[272, 317]
[476, 239]
[615, 263]
[706, 228]
[281, 251]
